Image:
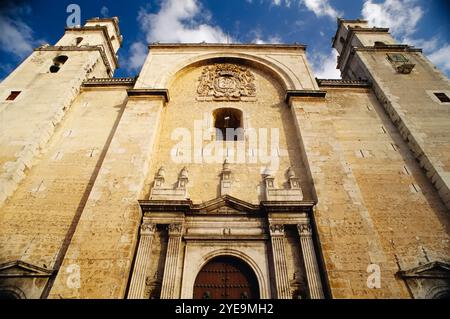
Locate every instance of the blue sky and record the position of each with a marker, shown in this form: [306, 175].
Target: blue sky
[25, 25]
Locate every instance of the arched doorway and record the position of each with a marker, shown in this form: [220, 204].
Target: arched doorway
[226, 277]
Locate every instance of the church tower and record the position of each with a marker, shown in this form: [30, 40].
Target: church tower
[44, 87]
[414, 93]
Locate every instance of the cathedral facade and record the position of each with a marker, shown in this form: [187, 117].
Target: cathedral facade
[225, 171]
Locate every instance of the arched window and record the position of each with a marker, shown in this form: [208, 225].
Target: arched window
[379, 44]
[229, 124]
[58, 62]
[78, 41]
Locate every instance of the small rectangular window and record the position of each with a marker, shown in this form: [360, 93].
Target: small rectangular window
[442, 97]
[397, 57]
[13, 95]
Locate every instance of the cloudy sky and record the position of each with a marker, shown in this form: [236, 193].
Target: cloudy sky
[25, 25]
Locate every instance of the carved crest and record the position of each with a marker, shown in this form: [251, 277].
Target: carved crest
[226, 82]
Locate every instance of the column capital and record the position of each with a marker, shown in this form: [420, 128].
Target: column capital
[175, 229]
[148, 228]
[276, 229]
[304, 229]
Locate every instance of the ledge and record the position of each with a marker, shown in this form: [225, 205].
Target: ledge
[235, 205]
[100, 82]
[343, 83]
[316, 94]
[149, 92]
[227, 45]
[287, 206]
[389, 48]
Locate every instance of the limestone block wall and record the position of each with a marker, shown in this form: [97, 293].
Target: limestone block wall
[104, 241]
[39, 218]
[375, 204]
[28, 122]
[422, 119]
[185, 114]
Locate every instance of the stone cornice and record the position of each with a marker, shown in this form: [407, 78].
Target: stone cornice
[389, 48]
[288, 206]
[315, 94]
[104, 82]
[342, 83]
[237, 206]
[228, 45]
[149, 92]
[393, 48]
[80, 48]
[104, 30]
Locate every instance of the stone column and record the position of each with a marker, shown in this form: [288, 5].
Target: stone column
[142, 263]
[309, 257]
[279, 260]
[171, 265]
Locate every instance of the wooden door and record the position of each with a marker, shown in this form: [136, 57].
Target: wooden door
[226, 278]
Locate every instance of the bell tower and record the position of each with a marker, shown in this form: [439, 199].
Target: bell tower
[42, 88]
[413, 92]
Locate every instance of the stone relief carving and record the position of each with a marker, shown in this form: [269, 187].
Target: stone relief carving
[226, 82]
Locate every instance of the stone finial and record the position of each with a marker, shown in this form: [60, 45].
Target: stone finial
[294, 182]
[226, 165]
[184, 173]
[159, 177]
[290, 173]
[161, 172]
[267, 172]
[183, 178]
[225, 182]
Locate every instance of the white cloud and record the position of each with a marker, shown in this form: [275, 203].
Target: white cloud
[270, 40]
[319, 7]
[324, 65]
[178, 21]
[104, 11]
[440, 57]
[138, 53]
[16, 36]
[401, 16]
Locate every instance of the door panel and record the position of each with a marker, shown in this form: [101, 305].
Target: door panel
[226, 278]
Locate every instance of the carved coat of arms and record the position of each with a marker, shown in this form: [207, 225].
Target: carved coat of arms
[226, 82]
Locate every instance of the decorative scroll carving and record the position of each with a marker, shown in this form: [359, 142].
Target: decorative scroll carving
[226, 82]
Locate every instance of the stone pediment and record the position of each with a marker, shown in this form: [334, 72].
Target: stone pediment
[20, 268]
[222, 205]
[434, 269]
[226, 205]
